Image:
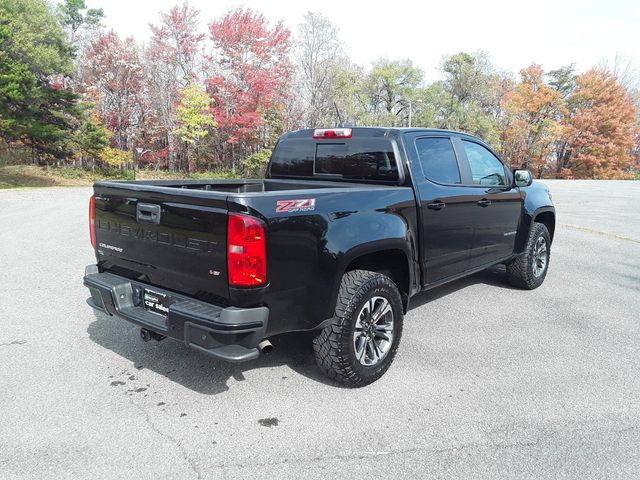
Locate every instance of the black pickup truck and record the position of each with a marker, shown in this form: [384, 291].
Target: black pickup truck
[347, 225]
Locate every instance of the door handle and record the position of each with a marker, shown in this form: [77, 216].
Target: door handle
[436, 205]
[484, 202]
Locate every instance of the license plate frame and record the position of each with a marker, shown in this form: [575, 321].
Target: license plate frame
[155, 302]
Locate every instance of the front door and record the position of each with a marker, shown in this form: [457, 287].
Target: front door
[498, 205]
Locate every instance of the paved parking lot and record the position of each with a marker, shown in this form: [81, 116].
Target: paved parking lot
[490, 382]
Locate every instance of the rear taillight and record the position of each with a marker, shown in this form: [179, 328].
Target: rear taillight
[92, 220]
[332, 133]
[246, 251]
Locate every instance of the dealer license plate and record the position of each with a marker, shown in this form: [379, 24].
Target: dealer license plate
[155, 302]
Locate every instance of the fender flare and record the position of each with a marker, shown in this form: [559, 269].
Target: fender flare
[525, 226]
[359, 251]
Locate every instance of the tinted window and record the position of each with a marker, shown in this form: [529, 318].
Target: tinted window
[438, 160]
[356, 159]
[486, 169]
[292, 158]
[371, 159]
[330, 158]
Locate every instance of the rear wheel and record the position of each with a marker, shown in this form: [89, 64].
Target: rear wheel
[359, 344]
[530, 269]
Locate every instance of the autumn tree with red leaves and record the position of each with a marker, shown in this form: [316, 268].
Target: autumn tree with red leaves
[176, 43]
[113, 78]
[252, 87]
[172, 64]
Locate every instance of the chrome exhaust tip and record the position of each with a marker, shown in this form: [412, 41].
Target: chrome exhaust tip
[265, 346]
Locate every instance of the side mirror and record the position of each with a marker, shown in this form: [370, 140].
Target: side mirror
[522, 178]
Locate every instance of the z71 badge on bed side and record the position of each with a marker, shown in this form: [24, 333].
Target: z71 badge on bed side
[299, 205]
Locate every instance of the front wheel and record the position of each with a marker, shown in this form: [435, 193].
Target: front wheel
[359, 344]
[530, 269]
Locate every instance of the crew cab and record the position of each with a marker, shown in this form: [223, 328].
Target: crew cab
[346, 227]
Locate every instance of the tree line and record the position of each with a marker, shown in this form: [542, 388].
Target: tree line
[215, 95]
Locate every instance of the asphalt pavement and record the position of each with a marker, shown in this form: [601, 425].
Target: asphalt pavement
[490, 381]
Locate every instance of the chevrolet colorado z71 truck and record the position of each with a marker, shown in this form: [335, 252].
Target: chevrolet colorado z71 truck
[347, 225]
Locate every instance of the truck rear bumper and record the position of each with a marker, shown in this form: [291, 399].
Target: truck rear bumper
[227, 333]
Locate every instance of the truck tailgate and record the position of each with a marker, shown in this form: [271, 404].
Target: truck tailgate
[165, 237]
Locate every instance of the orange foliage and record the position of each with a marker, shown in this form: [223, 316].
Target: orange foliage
[602, 129]
[532, 122]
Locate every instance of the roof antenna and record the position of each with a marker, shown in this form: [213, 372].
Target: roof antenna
[338, 112]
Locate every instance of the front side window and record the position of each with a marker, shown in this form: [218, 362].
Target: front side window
[438, 160]
[486, 169]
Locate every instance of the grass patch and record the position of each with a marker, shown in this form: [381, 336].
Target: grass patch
[24, 176]
[28, 176]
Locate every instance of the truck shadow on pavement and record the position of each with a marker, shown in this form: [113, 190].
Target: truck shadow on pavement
[195, 371]
[494, 277]
[178, 363]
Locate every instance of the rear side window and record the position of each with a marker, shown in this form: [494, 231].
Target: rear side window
[353, 159]
[438, 160]
[486, 169]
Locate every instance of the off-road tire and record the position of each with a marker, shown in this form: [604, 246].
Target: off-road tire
[520, 271]
[334, 345]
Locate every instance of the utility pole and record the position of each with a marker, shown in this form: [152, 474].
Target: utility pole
[136, 159]
[411, 109]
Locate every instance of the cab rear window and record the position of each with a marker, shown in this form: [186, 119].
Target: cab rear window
[353, 159]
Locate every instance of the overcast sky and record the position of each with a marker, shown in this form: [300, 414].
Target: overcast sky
[514, 33]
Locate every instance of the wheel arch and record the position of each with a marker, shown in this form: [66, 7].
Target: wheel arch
[548, 219]
[545, 215]
[392, 261]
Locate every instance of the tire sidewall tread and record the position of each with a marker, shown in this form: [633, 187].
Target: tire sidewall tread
[333, 346]
[520, 270]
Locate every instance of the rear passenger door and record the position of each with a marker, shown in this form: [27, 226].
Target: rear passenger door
[498, 206]
[447, 208]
